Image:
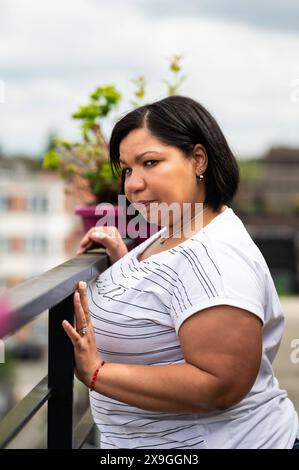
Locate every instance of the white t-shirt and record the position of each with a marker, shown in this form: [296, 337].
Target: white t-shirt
[137, 309]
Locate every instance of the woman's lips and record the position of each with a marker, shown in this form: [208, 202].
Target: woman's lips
[145, 203]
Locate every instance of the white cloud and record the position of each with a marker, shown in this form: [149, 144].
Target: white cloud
[53, 54]
[273, 15]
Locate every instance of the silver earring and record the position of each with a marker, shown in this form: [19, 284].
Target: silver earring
[200, 178]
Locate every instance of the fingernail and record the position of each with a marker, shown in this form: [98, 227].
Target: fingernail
[82, 285]
[99, 235]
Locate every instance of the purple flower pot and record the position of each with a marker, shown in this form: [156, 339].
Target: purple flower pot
[91, 215]
[102, 215]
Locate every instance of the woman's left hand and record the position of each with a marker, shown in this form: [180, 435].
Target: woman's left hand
[83, 338]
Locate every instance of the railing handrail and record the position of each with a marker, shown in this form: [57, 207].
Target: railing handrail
[41, 293]
[23, 411]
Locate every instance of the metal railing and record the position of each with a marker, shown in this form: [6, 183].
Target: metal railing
[53, 291]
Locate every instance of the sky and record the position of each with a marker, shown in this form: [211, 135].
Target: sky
[241, 60]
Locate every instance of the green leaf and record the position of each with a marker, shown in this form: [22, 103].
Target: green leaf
[57, 142]
[90, 111]
[52, 160]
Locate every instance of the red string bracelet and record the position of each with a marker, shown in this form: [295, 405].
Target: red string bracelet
[95, 376]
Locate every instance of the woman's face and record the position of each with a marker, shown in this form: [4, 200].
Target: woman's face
[158, 172]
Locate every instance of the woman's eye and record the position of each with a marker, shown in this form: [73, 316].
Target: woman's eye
[150, 161]
[126, 170]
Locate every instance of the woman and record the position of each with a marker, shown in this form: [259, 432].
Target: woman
[188, 324]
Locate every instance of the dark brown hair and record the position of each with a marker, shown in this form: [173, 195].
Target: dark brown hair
[183, 122]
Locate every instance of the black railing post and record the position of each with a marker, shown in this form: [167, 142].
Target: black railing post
[60, 377]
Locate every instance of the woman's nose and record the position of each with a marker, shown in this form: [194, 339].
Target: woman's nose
[134, 183]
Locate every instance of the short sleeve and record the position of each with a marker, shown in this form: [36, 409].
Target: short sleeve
[209, 276]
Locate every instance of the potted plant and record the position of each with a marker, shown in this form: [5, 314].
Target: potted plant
[85, 164]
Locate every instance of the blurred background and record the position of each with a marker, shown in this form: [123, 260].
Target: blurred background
[240, 60]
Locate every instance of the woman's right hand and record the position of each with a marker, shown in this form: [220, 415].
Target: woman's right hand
[109, 237]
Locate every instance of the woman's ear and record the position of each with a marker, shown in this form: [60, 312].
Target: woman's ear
[201, 159]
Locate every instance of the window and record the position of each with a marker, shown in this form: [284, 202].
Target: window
[37, 203]
[4, 244]
[3, 203]
[36, 245]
